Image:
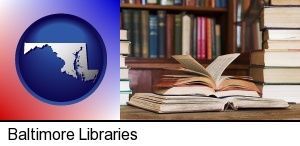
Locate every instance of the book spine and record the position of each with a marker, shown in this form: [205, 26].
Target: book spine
[191, 34]
[161, 33]
[199, 23]
[126, 24]
[138, 2]
[213, 38]
[178, 34]
[136, 34]
[224, 3]
[194, 49]
[186, 30]
[153, 36]
[131, 1]
[152, 1]
[166, 2]
[208, 38]
[178, 2]
[204, 3]
[218, 3]
[145, 33]
[190, 3]
[198, 3]
[203, 38]
[170, 36]
[144, 2]
[218, 40]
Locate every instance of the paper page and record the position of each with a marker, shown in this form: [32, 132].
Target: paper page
[217, 67]
[189, 62]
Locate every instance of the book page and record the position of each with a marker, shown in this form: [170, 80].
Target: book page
[190, 63]
[217, 67]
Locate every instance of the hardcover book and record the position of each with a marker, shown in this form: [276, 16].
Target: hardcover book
[161, 33]
[205, 81]
[281, 34]
[184, 104]
[153, 36]
[284, 2]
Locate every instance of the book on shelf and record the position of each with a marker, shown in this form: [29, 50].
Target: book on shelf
[126, 21]
[275, 75]
[281, 44]
[205, 81]
[281, 34]
[161, 33]
[283, 58]
[184, 104]
[190, 3]
[289, 93]
[178, 34]
[178, 2]
[218, 39]
[152, 1]
[124, 47]
[280, 17]
[153, 36]
[166, 2]
[186, 33]
[284, 2]
[145, 33]
[170, 36]
[136, 33]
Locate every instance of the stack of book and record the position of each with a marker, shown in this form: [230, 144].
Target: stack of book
[276, 68]
[124, 70]
[189, 3]
[203, 89]
[164, 34]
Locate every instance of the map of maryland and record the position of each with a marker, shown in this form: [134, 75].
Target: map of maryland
[73, 54]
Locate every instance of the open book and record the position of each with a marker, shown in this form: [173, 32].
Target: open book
[206, 81]
[178, 104]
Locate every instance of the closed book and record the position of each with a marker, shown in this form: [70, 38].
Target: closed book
[136, 33]
[287, 58]
[170, 36]
[138, 2]
[124, 98]
[124, 34]
[281, 44]
[131, 1]
[178, 34]
[281, 34]
[124, 72]
[218, 39]
[289, 93]
[211, 3]
[122, 61]
[125, 47]
[166, 2]
[124, 85]
[126, 21]
[208, 39]
[199, 23]
[280, 17]
[153, 36]
[218, 3]
[152, 1]
[178, 2]
[275, 75]
[190, 3]
[144, 2]
[203, 44]
[145, 33]
[284, 2]
[213, 38]
[198, 3]
[161, 33]
[194, 37]
[224, 3]
[186, 33]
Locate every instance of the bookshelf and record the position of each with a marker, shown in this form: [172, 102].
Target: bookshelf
[145, 72]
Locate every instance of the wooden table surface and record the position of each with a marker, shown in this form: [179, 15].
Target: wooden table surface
[292, 113]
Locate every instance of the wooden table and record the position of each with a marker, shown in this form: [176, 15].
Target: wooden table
[292, 113]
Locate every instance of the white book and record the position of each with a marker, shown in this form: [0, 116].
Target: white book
[124, 98]
[289, 93]
[124, 72]
[122, 61]
[124, 85]
[186, 35]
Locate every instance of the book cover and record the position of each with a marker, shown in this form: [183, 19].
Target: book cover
[126, 21]
[153, 36]
[170, 36]
[190, 3]
[203, 32]
[136, 33]
[208, 39]
[178, 2]
[194, 38]
[152, 1]
[166, 2]
[145, 33]
[218, 39]
[161, 33]
[213, 38]
[178, 34]
[186, 33]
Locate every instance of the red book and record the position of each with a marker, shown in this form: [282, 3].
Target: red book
[190, 3]
[208, 39]
[138, 2]
[198, 56]
[203, 38]
[170, 35]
